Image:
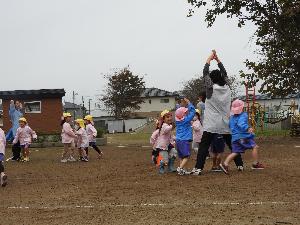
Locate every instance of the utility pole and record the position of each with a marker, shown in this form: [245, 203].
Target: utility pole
[90, 106]
[74, 109]
[83, 107]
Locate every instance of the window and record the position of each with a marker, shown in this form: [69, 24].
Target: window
[149, 101]
[33, 107]
[164, 100]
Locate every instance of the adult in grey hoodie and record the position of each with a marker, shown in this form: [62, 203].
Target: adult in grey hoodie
[217, 112]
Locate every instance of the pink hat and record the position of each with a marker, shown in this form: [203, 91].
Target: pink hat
[180, 113]
[237, 106]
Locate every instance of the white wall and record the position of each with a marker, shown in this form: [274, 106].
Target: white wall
[156, 104]
[285, 103]
[117, 125]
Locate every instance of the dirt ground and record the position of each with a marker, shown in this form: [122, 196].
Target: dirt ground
[125, 188]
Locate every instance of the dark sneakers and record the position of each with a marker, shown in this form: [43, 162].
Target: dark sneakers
[3, 180]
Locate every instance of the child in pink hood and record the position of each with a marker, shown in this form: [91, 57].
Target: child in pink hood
[167, 152]
[24, 135]
[68, 139]
[3, 176]
[153, 142]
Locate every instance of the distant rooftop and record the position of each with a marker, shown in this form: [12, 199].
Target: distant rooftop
[70, 105]
[155, 92]
[23, 94]
[268, 97]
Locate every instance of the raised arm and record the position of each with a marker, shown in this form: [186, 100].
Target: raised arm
[222, 68]
[207, 81]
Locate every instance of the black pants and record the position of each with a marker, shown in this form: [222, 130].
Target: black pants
[1, 167]
[95, 147]
[204, 147]
[16, 150]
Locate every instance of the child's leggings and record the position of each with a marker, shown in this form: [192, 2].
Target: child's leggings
[95, 147]
[1, 167]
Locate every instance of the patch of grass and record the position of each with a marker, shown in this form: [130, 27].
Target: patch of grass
[272, 133]
[129, 138]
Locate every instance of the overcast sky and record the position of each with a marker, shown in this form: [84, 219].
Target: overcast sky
[71, 43]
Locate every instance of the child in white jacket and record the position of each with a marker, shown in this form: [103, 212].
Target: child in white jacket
[82, 139]
[92, 134]
[24, 135]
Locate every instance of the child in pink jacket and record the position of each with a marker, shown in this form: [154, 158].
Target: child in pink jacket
[197, 130]
[153, 142]
[68, 139]
[3, 176]
[24, 135]
[163, 143]
[82, 139]
[92, 134]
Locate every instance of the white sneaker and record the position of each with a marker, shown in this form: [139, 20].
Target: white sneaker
[240, 168]
[3, 180]
[196, 172]
[71, 159]
[63, 161]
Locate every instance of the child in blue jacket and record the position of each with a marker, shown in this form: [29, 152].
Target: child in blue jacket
[242, 136]
[184, 133]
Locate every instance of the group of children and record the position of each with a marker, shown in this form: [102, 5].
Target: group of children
[82, 136]
[189, 129]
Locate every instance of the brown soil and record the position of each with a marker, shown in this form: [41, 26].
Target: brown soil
[125, 188]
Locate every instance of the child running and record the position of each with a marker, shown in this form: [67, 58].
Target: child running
[153, 142]
[217, 149]
[166, 152]
[68, 139]
[92, 134]
[242, 136]
[197, 130]
[3, 176]
[82, 139]
[184, 133]
[24, 135]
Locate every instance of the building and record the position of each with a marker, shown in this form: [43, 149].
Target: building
[77, 111]
[277, 103]
[155, 101]
[42, 108]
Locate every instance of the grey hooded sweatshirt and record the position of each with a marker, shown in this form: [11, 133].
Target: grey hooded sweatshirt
[217, 104]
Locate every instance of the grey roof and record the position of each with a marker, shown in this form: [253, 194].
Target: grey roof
[23, 94]
[70, 105]
[268, 97]
[155, 92]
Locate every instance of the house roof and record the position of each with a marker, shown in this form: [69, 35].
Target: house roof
[155, 92]
[268, 97]
[70, 105]
[25, 94]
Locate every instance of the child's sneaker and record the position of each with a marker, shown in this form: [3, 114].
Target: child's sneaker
[71, 159]
[196, 172]
[3, 180]
[84, 159]
[182, 172]
[161, 167]
[63, 160]
[240, 168]
[257, 166]
[224, 168]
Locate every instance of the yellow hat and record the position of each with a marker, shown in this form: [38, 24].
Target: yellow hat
[197, 111]
[22, 119]
[89, 118]
[67, 115]
[163, 113]
[80, 122]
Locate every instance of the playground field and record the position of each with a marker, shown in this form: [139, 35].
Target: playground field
[124, 188]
